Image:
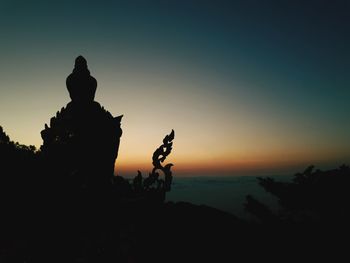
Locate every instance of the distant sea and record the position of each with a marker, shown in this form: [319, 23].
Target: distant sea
[225, 193]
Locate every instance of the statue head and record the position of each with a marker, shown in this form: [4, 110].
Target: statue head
[80, 84]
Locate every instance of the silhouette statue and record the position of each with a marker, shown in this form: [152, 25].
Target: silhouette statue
[81, 144]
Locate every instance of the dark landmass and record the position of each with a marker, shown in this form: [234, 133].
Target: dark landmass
[44, 223]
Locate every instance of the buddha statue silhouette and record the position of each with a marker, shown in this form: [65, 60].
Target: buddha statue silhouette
[81, 144]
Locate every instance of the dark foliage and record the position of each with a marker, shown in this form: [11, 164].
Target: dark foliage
[312, 196]
[18, 163]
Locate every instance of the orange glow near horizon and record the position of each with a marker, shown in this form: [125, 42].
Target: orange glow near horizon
[231, 165]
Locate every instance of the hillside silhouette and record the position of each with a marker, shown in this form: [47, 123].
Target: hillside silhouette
[63, 203]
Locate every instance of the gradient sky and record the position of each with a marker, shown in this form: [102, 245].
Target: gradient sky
[248, 86]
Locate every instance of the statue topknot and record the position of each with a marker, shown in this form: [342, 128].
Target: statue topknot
[80, 84]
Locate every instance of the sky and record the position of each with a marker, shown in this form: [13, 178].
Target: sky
[248, 86]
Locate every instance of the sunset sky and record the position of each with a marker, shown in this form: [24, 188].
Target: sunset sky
[248, 86]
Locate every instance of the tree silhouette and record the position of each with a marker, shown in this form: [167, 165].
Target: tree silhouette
[312, 196]
[14, 157]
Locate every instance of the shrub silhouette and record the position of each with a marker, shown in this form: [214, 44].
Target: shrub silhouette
[18, 162]
[312, 196]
